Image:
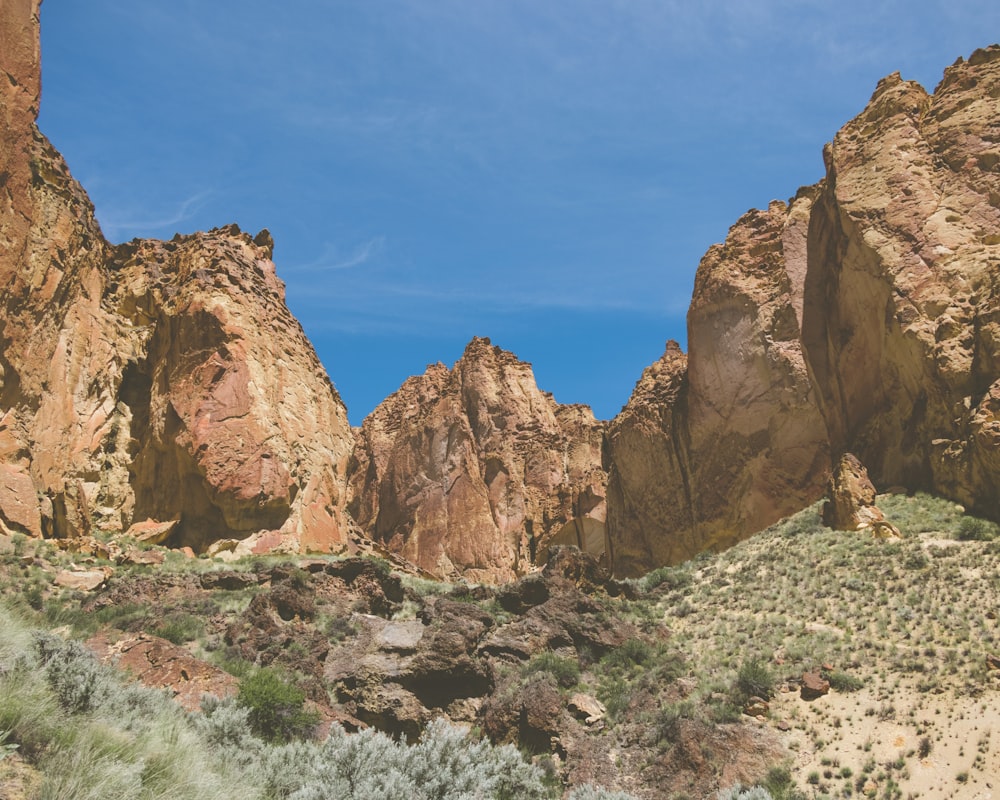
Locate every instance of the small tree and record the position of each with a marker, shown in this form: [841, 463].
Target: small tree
[276, 709]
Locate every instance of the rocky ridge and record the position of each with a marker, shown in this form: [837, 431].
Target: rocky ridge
[165, 385]
[153, 380]
[474, 472]
[861, 316]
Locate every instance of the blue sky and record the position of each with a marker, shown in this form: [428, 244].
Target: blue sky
[544, 173]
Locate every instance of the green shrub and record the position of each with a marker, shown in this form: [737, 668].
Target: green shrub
[973, 529]
[844, 681]
[180, 628]
[276, 709]
[670, 577]
[634, 652]
[755, 679]
[566, 671]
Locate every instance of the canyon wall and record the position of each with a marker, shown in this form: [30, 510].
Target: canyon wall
[722, 442]
[168, 382]
[159, 380]
[901, 311]
[862, 316]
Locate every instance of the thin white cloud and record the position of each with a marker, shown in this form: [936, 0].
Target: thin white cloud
[117, 227]
[333, 258]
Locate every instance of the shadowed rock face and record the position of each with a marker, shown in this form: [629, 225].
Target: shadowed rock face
[473, 471]
[154, 379]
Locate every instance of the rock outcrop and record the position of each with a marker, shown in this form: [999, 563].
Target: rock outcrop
[474, 472]
[850, 504]
[901, 322]
[716, 445]
[153, 380]
[863, 317]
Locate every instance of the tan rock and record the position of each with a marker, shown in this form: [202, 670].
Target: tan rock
[150, 531]
[714, 446]
[143, 557]
[850, 504]
[475, 472]
[901, 323]
[81, 580]
[587, 708]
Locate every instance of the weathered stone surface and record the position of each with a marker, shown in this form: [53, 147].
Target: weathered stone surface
[850, 504]
[901, 322]
[474, 472]
[714, 446]
[862, 317]
[162, 380]
[86, 580]
[161, 664]
[587, 708]
[152, 532]
[813, 685]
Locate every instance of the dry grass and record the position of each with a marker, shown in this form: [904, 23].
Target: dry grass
[907, 625]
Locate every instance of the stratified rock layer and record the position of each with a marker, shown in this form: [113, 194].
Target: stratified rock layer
[473, 471]
[153, 380]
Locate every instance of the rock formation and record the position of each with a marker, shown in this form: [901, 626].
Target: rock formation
[152, 380]
[901, 323]
[473, 471]
[164, 388]
[863, 316]
[850, 504]
[719, 444]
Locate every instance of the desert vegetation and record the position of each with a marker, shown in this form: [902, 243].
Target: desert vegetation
[705, 657]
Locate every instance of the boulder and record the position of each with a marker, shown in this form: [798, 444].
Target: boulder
[850, 504]
[587, 708]
[813, 685]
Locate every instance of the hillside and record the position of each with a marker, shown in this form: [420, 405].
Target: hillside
[642, 686]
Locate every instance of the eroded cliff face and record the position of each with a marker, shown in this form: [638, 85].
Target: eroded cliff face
[717, 445]
[901, 324]
[474, 472]
[862, 317]
[162, 380]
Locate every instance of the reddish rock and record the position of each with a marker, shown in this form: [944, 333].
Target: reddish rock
[474, 472]
[160, 664]
[813, 685]
[152, 380]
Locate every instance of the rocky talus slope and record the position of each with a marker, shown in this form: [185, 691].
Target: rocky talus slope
[474, 472]
[861, 316]
[152, 380]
